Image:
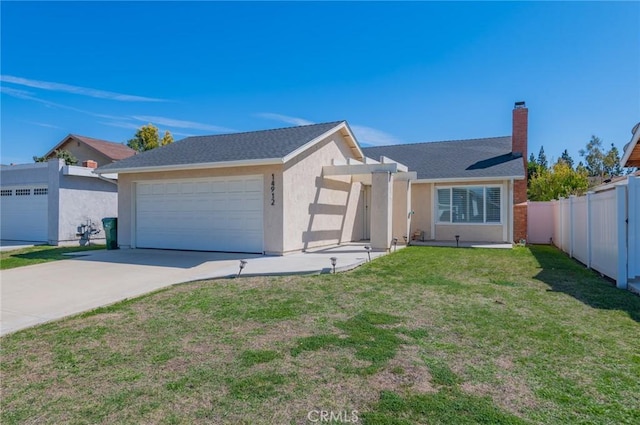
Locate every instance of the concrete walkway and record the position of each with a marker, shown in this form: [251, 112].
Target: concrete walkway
[45, 292]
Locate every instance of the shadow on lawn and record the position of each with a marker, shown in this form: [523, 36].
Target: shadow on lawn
[54, 253]
[564, 274]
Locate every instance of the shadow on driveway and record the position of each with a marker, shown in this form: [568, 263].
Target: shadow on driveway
[159, 257]
[566, 275]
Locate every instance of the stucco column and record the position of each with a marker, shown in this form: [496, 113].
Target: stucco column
[53, 200]
[381, 210]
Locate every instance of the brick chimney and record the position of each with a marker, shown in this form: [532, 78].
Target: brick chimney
[90, 164]
[519, 147]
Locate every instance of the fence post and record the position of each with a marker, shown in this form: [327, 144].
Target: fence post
[561, 234]
[589, 229]
[571, 224]
[621, 225]
[633, 217]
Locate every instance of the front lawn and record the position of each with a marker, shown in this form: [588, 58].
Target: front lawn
[425, 335]
[39, 254]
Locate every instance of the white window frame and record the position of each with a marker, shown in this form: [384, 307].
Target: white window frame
[484, 210]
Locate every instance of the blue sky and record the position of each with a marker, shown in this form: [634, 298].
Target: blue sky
[397, 72]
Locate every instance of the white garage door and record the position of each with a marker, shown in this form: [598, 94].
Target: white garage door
[216, 214]
[24, 213]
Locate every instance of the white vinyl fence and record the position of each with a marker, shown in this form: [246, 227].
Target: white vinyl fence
[601, 229]
[540, 222]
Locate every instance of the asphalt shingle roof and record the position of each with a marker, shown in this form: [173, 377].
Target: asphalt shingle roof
[472, 158]
[115, 151]
[264, 144]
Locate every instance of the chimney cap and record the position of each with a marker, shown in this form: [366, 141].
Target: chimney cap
[520, 104]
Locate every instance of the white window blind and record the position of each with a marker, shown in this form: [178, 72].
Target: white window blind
[469, 204]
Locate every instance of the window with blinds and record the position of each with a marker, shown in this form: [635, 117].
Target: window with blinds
[469, 204]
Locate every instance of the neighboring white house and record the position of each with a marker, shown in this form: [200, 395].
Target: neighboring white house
[289, 189]
[49, 201]
[58, 204]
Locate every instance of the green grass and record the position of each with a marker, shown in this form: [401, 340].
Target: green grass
[371, 343]
[39, 254]
[425, 335]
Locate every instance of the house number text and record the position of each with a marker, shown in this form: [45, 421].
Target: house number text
[273, 189]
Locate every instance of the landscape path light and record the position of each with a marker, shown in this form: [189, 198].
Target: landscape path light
[334, 260]
[242, 264]
[368, 248]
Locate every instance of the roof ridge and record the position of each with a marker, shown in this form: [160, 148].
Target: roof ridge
[439, 141]
[93, 138]
[266, 130]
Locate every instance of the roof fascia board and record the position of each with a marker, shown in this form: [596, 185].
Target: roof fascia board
[468, 179]
[178, 167]
[313, 142]
[356, 145]
[632, 145]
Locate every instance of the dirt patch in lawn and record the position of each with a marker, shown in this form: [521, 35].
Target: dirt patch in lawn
[510, 392]
[405, 371]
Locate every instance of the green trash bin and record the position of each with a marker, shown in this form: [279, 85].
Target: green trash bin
[110, 225]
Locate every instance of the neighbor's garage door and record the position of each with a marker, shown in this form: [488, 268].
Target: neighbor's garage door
[217, 214]
[24, 213]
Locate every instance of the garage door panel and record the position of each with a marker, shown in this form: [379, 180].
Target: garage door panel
[236, 186]
[218, 214]
[254, 185]
[24, 217]
[253, 223]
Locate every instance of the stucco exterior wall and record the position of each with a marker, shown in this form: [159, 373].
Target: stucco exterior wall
[320, 211]
[472, 231]
[24, 174]
[422, 203]
[469, 232]
[422, 207]
[401, 210]
[82, 152]
[75, 199]
[82, 199]
[273, 224]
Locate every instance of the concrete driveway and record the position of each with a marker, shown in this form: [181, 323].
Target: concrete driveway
[44, 292]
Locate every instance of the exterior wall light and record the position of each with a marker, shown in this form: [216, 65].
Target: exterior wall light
[368, 248]
[334, 260]
[242, 264]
